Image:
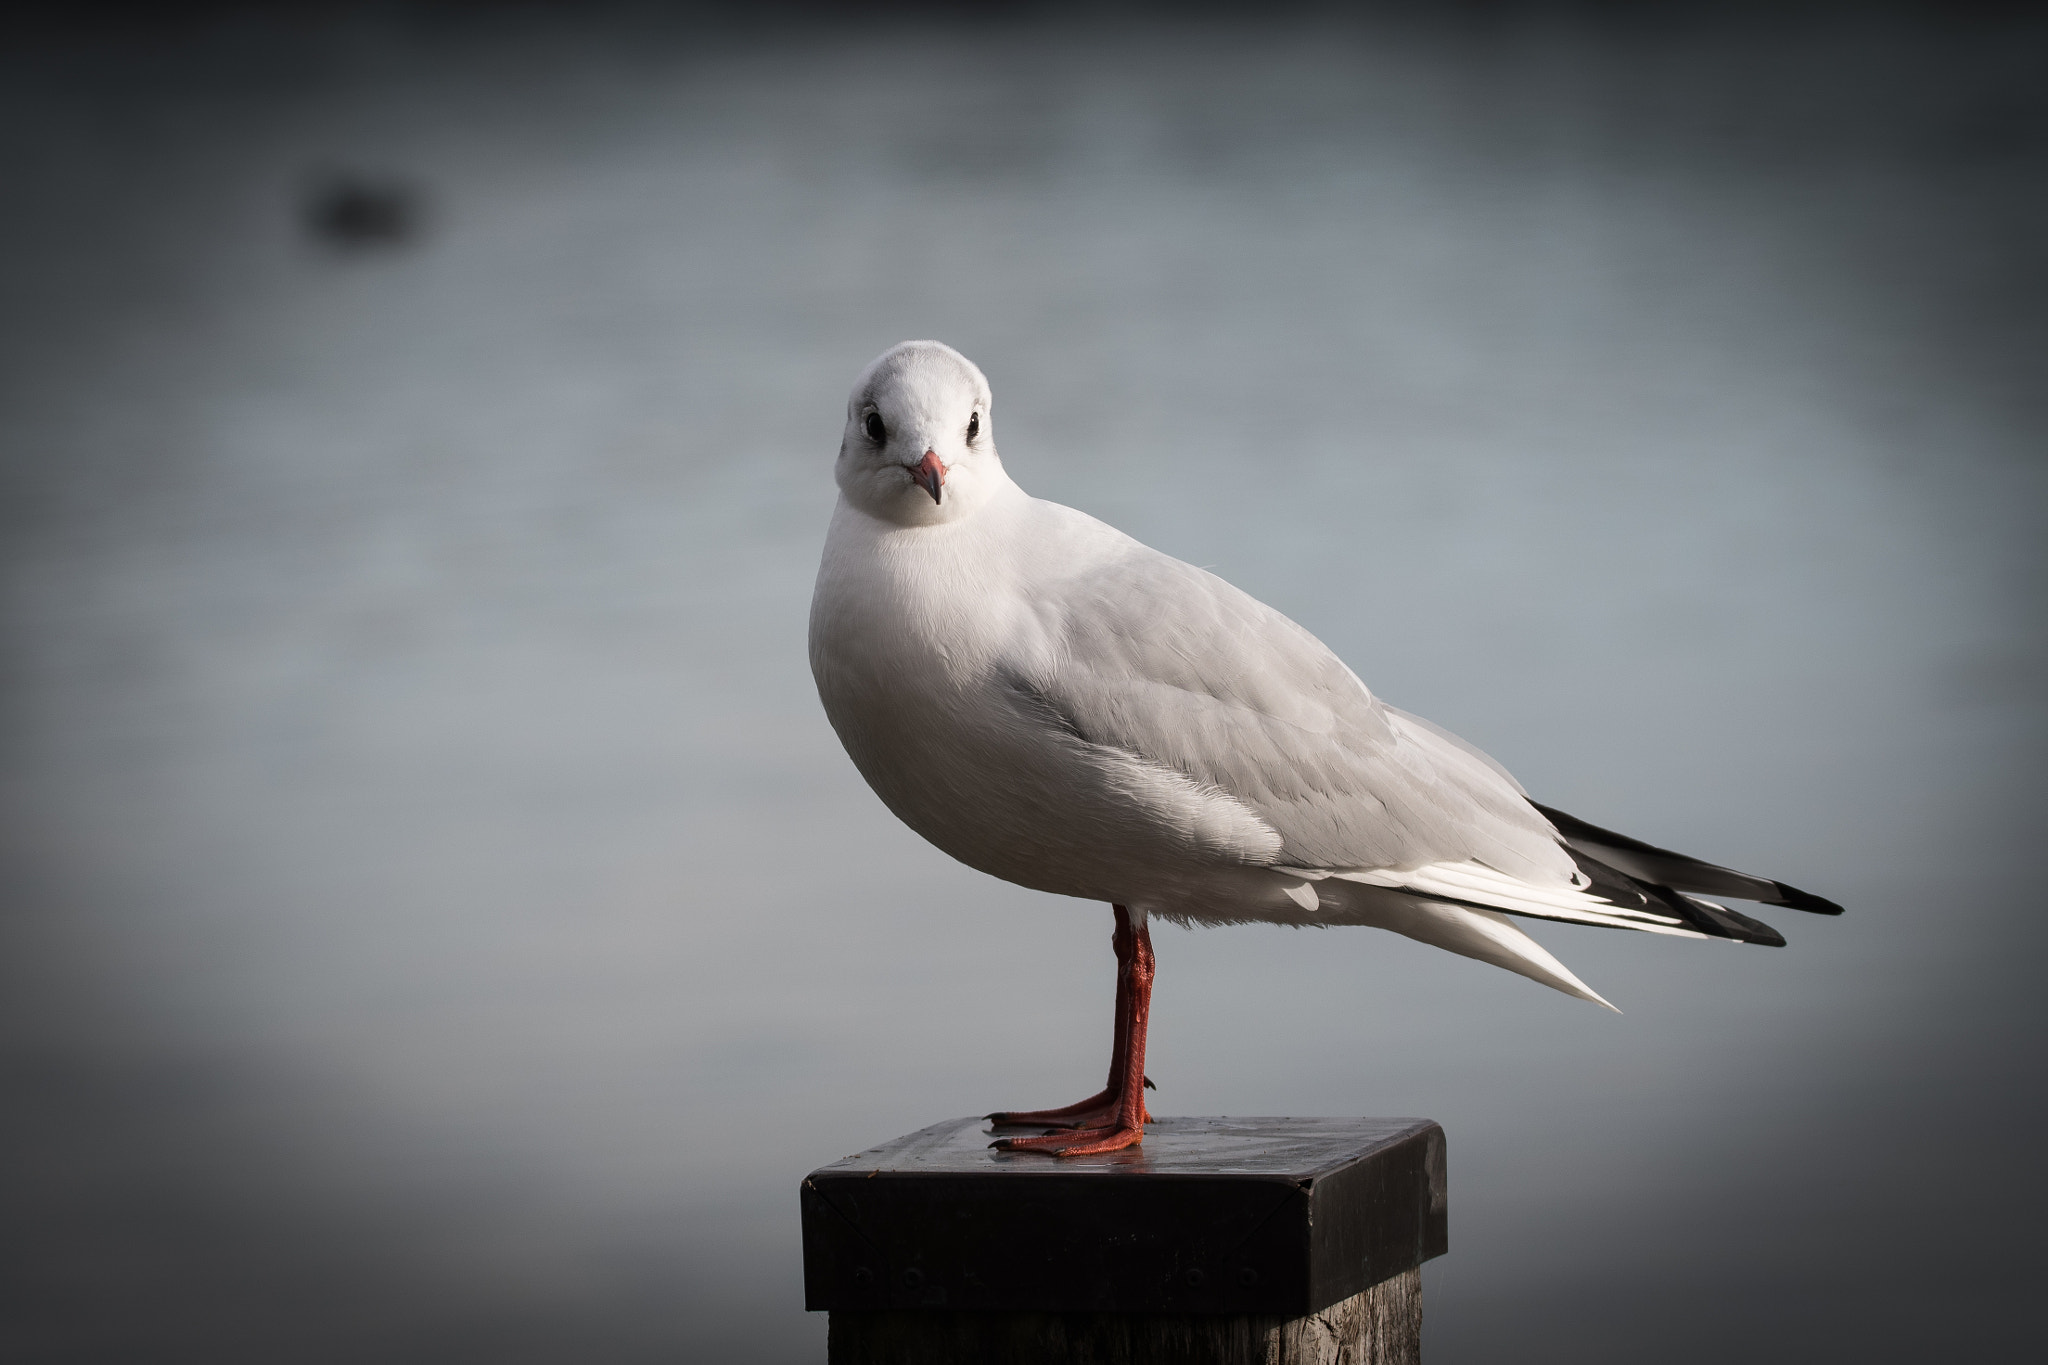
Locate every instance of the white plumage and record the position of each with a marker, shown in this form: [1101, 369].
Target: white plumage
[1051, 702]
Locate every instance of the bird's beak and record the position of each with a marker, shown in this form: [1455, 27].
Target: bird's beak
[929, 474]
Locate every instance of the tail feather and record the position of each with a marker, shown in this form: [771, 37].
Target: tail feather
[1661, 867]
[1623, 883]
[1467, 930]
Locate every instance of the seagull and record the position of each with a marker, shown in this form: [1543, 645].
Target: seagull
[1053, 703]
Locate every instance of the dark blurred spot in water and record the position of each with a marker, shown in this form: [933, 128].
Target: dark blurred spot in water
[357, 212]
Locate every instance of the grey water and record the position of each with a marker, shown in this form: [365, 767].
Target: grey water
[439, 923]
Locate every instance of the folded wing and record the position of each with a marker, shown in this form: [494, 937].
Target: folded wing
[1170, 663]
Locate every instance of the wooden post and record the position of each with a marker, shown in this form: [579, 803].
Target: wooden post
[1271, 1241]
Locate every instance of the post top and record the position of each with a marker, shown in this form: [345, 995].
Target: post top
[1211, 1215]
[1291, 1149]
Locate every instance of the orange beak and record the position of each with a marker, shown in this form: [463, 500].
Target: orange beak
[929, 474]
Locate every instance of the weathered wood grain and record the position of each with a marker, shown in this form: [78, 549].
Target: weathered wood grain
[1381, 1326]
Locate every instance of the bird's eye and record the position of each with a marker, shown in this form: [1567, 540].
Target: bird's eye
[974, 426]
[874, 428]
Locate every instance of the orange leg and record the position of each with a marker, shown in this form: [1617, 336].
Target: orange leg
[1100, 1107]
[1116, 1118]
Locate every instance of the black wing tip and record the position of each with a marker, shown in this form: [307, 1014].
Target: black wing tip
[1792, 898]
[1717, 921]
[1648, 863]
[1759, 933]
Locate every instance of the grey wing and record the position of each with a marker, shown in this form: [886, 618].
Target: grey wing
[1170, 663]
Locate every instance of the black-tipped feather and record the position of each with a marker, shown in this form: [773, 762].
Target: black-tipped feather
[1646, 863]
[1633, 893]
[1622, 890]
[1719, 920]
[1804, 900]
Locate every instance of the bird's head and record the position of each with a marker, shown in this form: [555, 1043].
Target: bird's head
[918, 449]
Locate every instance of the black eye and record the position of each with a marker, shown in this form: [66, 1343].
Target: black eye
[874, 428]
[974, 426]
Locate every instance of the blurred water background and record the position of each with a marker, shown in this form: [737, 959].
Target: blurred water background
[438, 923]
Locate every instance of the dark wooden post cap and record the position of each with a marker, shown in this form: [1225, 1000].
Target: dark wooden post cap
[1278, 1216]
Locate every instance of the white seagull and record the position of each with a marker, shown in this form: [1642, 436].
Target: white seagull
[1051, 702]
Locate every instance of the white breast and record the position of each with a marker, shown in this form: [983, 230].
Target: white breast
[922, 642]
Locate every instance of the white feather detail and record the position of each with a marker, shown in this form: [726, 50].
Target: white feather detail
[1303, 895]
[1477, 884]
[1486, 935]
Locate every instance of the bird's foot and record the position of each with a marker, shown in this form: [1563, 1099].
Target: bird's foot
[1112, 1137]
[1097, 1111]
[1088, 1113]
[1074, 1116]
